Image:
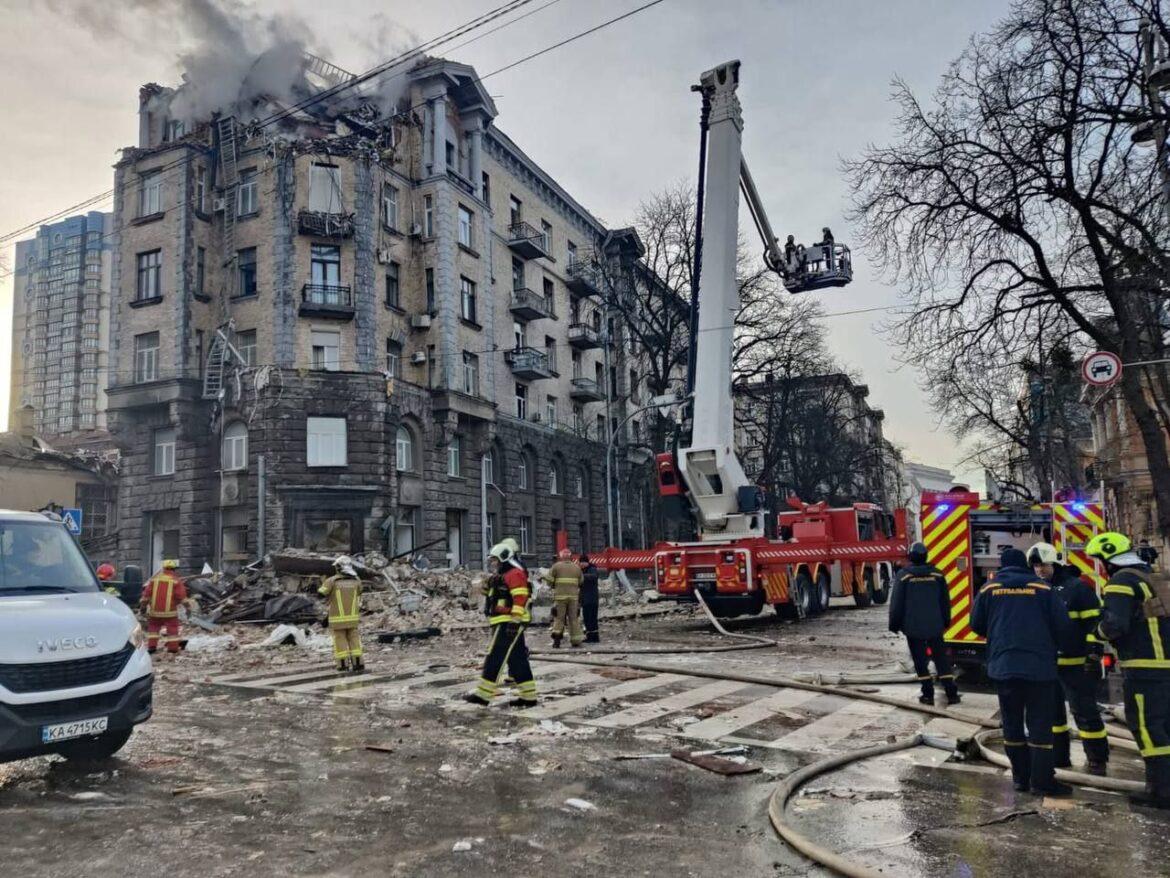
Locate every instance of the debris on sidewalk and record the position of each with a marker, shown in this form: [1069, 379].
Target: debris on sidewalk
[580, 805]
[546, 728]
[725, 765]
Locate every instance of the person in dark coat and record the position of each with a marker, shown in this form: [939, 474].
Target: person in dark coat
[590, 599]
[920, 608]
[1026, 624]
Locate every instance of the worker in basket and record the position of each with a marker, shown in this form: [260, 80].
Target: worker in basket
[506, 595]
[343, 591]
[920, 608]
[1136, 620]
[1078, 664]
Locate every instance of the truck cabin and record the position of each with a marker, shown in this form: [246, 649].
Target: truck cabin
[861, 522]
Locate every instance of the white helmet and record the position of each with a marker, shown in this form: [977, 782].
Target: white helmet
[1043, 553]
[505, 551]
[344, 564]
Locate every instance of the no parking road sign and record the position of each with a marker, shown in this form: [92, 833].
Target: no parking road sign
[1101, 368]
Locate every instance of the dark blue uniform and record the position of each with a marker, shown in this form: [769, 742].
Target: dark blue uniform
[1025, 624]
[590, 600]
[920, 608]
[1079, 669]
[1142, 642]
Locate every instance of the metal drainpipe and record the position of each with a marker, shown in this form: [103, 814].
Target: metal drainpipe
[261, 491]
[483, 509]
[608, 424]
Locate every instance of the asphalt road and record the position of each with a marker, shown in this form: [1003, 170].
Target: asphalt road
[263, 763]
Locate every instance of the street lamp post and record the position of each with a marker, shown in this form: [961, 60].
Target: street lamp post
[657, 403]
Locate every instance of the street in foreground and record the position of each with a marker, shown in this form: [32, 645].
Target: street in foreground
[264, 761]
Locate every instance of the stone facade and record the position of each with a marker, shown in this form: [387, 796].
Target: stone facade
[416, 283]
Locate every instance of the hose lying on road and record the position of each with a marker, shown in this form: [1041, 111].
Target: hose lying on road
[797, 779]
[1113, 784]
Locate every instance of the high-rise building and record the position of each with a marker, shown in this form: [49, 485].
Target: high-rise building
[60, 327]
[395, 307]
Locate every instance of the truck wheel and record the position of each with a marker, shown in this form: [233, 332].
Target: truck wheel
[824, 589]
[883, 594]
[807, 596]
[863, 595]
[95, 749]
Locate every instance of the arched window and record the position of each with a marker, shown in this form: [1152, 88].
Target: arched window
[235, 446]
[403, 450]
[554, 477]
[578, 484]
[526, 471]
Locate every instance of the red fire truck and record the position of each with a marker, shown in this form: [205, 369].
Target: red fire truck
[821, 552]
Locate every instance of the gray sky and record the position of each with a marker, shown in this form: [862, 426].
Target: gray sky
[609, 116]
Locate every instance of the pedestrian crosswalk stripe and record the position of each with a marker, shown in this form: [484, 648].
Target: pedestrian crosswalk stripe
[606, 693]
[749, 714]
[355, 682]
[400, 686]
[820, 735]
[643, 713]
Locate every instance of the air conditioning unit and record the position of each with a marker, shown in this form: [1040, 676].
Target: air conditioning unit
[217, 204]
[385, 256]
[418, 357]
[420, 321]
[229, 490]
[416, 230]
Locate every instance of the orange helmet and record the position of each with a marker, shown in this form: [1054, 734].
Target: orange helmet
[105, 571]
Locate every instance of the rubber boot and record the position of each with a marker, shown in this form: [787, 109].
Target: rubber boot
[1044, 782]
[358, 666]
[475, 698]
[1021, 767]
[953, 696]
[1061, 750]
[520, 703]
[927, 696]
[342, 665]
[556, 638]
[1096, 752]
[592, 638]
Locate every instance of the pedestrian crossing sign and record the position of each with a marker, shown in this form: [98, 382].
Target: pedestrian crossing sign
[72, 519]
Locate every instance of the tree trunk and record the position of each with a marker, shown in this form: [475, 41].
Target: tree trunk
[1154, 442]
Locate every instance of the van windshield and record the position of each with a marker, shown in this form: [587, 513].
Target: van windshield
[41, 557]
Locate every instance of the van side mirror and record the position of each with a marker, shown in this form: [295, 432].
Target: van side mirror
[131, 590]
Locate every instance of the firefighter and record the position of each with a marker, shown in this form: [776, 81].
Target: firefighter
[506, 594]
[343, 590]
[1078, 666]
[1025, 623]
[590, 599]
[164, 593]
[920, 608]
[1135, 620]
[105, 574]
[565, 578]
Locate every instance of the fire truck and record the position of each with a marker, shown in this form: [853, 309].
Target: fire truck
[964, 537]
[745, 556]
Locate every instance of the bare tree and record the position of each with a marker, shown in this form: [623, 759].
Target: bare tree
[1019, 188]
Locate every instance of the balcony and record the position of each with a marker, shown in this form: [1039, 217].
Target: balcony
[324, 300]
[586, 390]
[527, 241]
[583, 277]
[584, 337]
[325, 225]
[528, 363]
[527, 305]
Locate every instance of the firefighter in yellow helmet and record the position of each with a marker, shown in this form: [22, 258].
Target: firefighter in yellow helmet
[506, 594]
[1136, 620]
[565, 577]
[343, 591]
[1078, 662]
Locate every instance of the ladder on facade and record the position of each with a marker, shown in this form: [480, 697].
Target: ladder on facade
[220, 357]
[228, 156]
[331, 74]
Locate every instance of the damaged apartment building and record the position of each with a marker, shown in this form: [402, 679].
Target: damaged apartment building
[346, 326]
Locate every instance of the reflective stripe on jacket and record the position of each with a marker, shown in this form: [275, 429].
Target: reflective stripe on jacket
[1084, 609]
[1025, 623]
[345, 601]
[565, 577]
[162, 596]
[516, 582]
[1142, 644]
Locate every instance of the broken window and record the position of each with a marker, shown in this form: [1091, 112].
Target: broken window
[164, 452]
[248, 194]
[175, 129]
[389, 206]
[235, 446]
[392, 272]
[246, 345]
[325, 188]
[467, 299]
[405, 528]
[235, 542]
[325, 265]
[149, 276]
[393, 358]
[522, 401]
[326, 349]
[325, 441]
[150, 194]
[327, 534]
[246, 260]
[466, 231]
[451, 155]
[146, 357]
[470, 373]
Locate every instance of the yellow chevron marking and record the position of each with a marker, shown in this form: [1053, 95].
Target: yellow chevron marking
[961, 604]
[957, 531]
[1095, 518]
[942, 528]
[972, 637]
[952, 574]
[956, 628]
[931, 518]
[956, 590]
[958, 550]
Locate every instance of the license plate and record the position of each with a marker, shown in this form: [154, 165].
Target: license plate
[703, 577]
[78, 729]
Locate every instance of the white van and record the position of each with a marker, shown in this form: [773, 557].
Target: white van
[75, 676]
